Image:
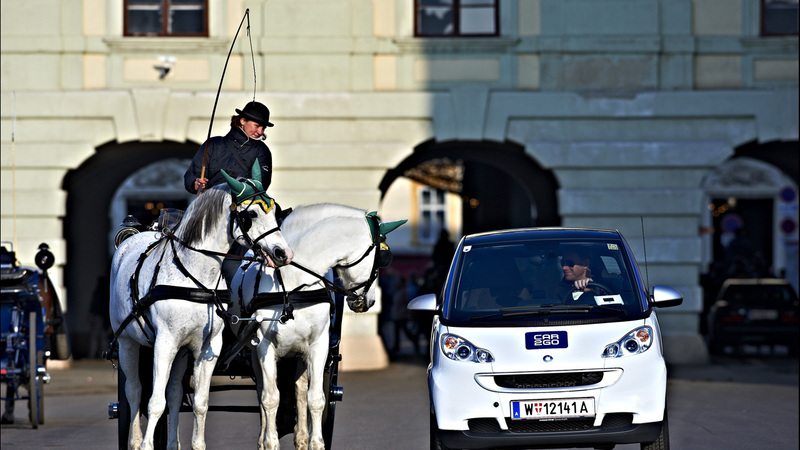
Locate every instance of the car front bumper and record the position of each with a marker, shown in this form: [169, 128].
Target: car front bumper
[633, 433]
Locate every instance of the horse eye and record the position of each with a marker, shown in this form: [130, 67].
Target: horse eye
[253, 214]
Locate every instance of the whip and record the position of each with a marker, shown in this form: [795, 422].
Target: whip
[222, 78]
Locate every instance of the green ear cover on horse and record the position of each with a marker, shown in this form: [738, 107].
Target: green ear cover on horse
[388, 227]
[240, 189]
[237, 187]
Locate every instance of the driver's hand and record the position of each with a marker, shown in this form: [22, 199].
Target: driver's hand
[581, 284]
[200, 184]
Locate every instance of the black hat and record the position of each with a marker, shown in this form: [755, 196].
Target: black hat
[256, 112]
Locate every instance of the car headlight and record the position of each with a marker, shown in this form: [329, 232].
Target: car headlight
[637, 341]
[460, 349]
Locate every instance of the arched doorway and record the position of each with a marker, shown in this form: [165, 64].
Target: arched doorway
[500, 185]
[90, 189]
[148, 190]
[495, 185]
[751, 217]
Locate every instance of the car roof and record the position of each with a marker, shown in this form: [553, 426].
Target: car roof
[540, 233]
[754, 281]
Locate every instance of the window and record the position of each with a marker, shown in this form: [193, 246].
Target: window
[432, 218]
[455, 18]
[166, 17]
[779, 17]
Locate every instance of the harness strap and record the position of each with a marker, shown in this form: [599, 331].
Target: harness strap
[220, 310]
[369, 249]
[265, 234]
[163, 292]
[265, 299]
[174, 237]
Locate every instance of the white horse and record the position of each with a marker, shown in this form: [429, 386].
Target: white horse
[175, 279]
[323, 237]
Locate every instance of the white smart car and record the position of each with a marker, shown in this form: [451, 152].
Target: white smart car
[521, 358]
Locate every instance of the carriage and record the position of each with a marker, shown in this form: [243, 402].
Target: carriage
[279, 324]
[33, 331]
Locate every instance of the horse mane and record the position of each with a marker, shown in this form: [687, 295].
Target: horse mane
[203, 214]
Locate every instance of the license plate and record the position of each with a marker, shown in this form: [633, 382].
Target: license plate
[762, 314]
[565, 408]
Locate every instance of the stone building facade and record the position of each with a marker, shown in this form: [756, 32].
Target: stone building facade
[637, 115]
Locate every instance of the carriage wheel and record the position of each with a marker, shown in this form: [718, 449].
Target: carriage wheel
[331, 378]
[33, 376]
[124, 409]
[40, 381]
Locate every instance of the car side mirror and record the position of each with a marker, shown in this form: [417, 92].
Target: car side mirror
[426, 302]
[665, 296]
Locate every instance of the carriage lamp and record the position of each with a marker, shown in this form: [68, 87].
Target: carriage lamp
[113, 410]
[130, 226]
[637, 341]
[459, 349]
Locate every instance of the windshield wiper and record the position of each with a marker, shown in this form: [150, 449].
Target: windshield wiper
[542, 310]
[555, 308]
[604, 308]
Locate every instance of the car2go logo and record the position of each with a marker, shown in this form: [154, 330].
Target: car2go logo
[552, 339]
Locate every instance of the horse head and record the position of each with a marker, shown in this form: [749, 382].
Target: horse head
[368, 267]
[253, 213]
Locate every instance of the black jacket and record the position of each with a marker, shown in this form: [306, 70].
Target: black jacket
[220, 156]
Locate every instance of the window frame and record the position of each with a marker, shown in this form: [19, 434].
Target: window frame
[164, 32]
[427, 231]
[457, 8]
[762, 8]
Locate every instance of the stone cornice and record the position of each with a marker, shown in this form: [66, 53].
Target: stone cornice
[456, 45]
[173, 45]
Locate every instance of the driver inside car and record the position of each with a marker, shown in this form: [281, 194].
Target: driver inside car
[576, 266]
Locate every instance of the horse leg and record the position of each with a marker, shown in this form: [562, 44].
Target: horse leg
[318, 355]
[129, 363]
[204, 363]
[301, 394]
[270, 396]
[164, 351]
[175, 398]
[259, 378]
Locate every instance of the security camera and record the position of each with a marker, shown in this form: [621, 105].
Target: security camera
[166, 65]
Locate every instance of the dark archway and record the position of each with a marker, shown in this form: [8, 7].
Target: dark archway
[90, 189]
[507, 183]
[743, 228]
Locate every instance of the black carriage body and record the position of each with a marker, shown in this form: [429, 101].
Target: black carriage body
[33, 330]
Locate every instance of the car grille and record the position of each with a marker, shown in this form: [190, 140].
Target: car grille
[548, 380]
[484, 425]
[538, 426]
[489, 425]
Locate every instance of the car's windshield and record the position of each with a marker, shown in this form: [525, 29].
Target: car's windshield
[535, 279]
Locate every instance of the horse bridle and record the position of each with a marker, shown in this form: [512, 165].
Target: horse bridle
[359, 301]
[244, 218]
